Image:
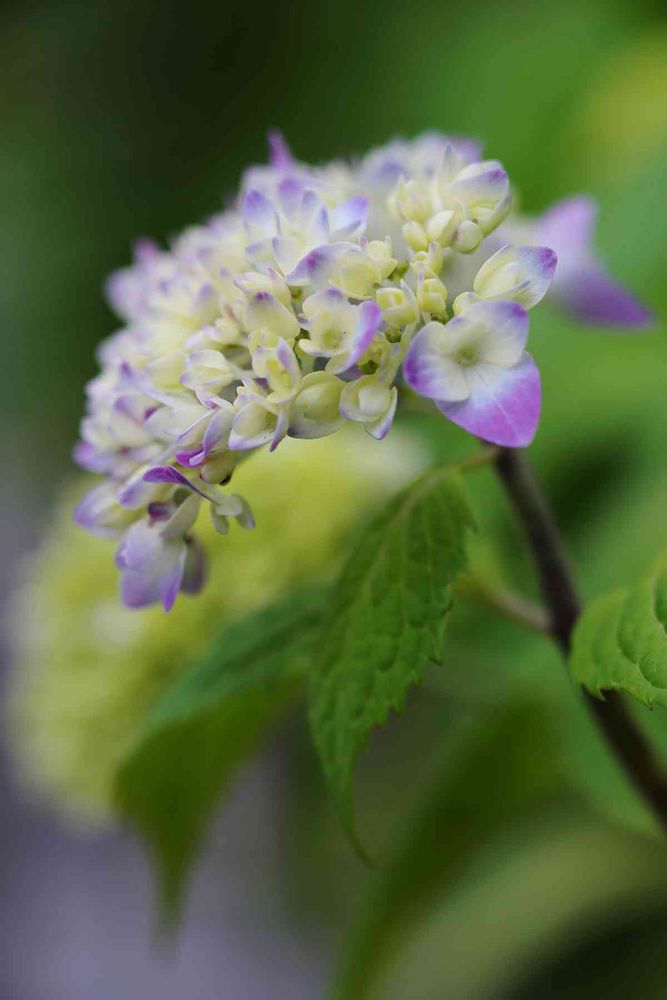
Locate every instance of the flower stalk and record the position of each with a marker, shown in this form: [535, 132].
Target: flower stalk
[563, 606]
[504, 603]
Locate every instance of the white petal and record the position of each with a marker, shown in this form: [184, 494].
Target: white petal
[430, 368]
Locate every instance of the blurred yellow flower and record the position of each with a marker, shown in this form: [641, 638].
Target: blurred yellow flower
[87, 670]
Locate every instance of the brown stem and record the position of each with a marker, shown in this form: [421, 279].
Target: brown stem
[560, 596]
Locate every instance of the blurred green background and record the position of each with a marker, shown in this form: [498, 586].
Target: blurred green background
[529, 870]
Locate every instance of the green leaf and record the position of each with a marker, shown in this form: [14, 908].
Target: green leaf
[620, 642]
[387, 621]
[204, 727]
[505, 767]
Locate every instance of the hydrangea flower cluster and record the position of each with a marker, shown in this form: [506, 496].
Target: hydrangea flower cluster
[304, 305]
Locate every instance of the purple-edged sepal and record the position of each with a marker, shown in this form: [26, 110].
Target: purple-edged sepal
[504, 404]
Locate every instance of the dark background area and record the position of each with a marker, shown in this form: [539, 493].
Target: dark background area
[135, 118]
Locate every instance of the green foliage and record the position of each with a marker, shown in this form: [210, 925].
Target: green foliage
[205, 726]
[559, 885]
[511, 753]
[387, 620]
[621, 641]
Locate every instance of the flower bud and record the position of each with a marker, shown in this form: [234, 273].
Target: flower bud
[253, 282]
[415, 236]
[431, 295]
[399, 306]
[468, 237]
[371, 402]
[315, 412]
[522, 274]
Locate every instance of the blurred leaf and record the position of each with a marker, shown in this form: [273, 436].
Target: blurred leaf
[204, 727]
[507, 763]
[621, 641]
[627, 921]
[387, 620]
[556, 882]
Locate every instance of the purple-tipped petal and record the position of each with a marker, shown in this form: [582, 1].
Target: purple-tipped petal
[486, 181]
[467, 147]
[218, 428]
[290, 194]
[317, 232]
[92, 507]
[520, 274]
[165, 474]
[170, 584]
[581, 284]
[282, 425]
[151, 566]
[122, 293]
[87, 457]
[190, 457]
[350, 219]
[136, 493]
[145, 250]
[594, 297]
[543, 261]
[504, 404]
[137, 590]
[285, 355]
[316, 265]
[159, 511]
[280, 155]
[125, 289]
[369, 321]
[569, 227]
[100, 512]
[381, 427]
[168, 474]
[259, 213]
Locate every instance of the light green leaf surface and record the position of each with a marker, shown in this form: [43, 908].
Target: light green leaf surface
[620, 642]
[386, 621]
[206, 724]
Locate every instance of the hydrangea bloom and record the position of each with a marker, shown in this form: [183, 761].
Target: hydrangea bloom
[306, 304]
